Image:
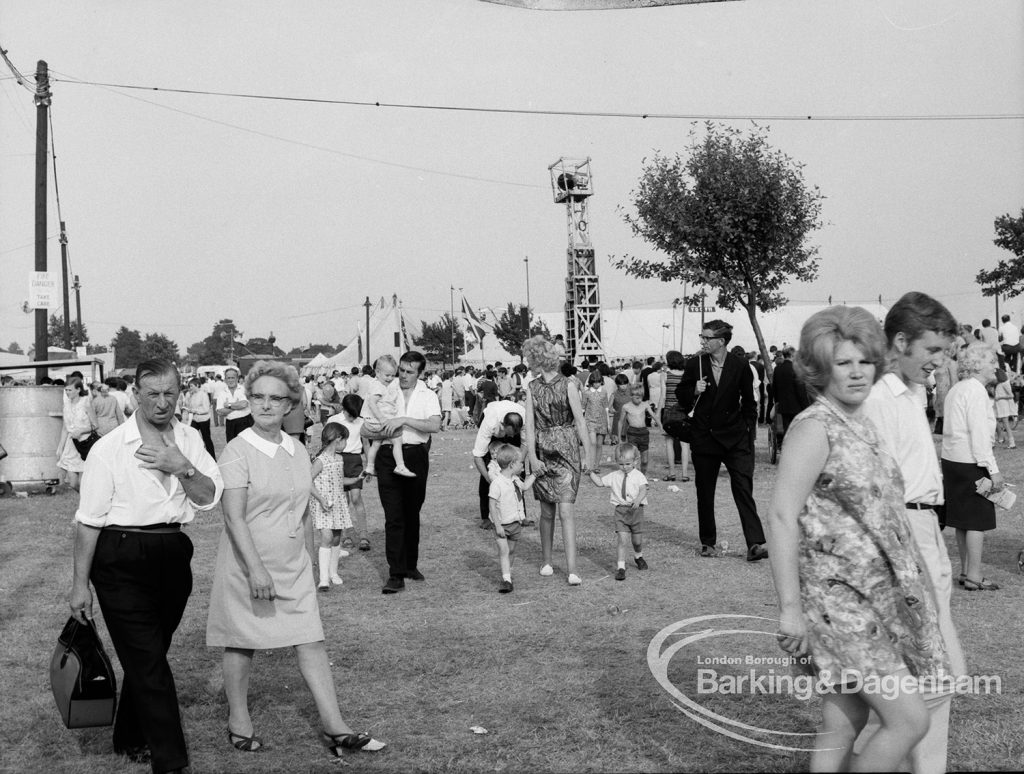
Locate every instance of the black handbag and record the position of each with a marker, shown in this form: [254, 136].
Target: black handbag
[81, 677]
[85, 444]
[678, 423]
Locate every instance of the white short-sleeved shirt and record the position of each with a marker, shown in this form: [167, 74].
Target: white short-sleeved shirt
[634, 481]
[1010, 333]
[423, 404]
[353, 444]
[116, 490]
[969, 425]
[491, 421]
[510, 499]
[233, 396]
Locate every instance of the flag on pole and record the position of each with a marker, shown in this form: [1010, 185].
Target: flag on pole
[473, 322]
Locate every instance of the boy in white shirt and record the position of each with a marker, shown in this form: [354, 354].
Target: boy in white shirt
[507, 511]
[629, 496]
[380, 406]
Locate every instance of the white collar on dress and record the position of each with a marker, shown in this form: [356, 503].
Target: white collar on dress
[264, 446]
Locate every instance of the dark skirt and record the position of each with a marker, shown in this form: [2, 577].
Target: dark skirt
[965, 508]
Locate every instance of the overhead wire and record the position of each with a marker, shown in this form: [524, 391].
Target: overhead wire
[565, 113]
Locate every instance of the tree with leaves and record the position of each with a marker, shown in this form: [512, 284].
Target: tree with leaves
[127, 346]
[219, 346]
[55, 331]
[15, 348]
[156, 346]
[510, 329]
[733, 215]
[435, 339]
[1007, 278]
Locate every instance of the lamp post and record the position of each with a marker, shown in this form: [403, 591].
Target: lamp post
[451, 320]
[664, 330]
[675, 341]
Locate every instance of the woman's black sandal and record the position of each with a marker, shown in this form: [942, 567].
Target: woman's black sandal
[983, 585]
[351, 742]
[245, 743]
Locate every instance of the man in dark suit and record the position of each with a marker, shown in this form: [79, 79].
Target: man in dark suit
[790, 393]
[719, 387]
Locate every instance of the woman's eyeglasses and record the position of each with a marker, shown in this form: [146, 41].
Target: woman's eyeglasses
[275, 400]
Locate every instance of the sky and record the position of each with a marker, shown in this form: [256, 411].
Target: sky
[284, 215]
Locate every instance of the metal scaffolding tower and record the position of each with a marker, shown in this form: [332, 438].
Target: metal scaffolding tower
[572, 184]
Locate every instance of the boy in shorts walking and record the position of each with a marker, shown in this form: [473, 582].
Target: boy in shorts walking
[629, 496]
[634, 423]
[507, 511]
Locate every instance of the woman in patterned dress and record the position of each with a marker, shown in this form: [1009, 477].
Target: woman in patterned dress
[846, 569]
[263, 595]
[554, 429]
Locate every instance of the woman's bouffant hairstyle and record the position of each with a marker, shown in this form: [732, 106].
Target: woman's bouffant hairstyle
[540, 353]
[825, 330]
[282, 371]
[973, 358]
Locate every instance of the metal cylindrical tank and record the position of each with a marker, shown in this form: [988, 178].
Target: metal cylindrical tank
[30, 425]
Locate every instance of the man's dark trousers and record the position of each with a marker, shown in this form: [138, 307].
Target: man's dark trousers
[401, 498]
[739, 461]
[143, 581]
[233, 427]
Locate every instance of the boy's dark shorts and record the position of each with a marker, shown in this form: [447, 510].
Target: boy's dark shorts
[353, 467]
[628, 520]
[513, 530]
[640, 437]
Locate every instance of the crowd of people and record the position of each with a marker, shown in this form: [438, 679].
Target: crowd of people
[854, 528]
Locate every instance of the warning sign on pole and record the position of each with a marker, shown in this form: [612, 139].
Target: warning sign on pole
[42, 290]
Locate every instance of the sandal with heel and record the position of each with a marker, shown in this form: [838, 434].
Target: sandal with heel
[983, 585]
[336, 743]
[245, 743]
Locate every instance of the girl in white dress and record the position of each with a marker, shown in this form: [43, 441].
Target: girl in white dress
[329, 503]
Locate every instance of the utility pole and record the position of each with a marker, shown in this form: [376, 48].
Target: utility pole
[526, 260]
[64, 273]
[451, 320]
[78, 306]
[42, 100]
[367, 305]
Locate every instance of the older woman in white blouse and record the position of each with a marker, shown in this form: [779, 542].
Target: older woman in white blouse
[967, 438]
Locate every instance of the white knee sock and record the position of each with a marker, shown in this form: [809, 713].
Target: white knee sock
[335, 558]
[324, 561]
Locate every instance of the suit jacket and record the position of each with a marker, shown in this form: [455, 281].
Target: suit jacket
[790, 393]
[724, 412]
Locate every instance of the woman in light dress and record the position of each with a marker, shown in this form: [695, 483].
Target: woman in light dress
[79, 423]
[263, 595]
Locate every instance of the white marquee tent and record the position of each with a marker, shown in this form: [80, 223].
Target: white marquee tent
[390, 334]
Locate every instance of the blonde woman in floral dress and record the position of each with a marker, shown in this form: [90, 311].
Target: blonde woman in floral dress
[846, 569]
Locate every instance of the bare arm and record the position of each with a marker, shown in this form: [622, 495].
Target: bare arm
[806, 452]
[581, 425]
[596, 478]
[639, 499]
[80, 599]
[529, 437]
[495, 514]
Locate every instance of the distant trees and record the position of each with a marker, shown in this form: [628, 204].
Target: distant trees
[131, 348]
[734, 215]
[435, 339]
[510, 328]
[15, 348]
[55, 331]
[218, 347]
[1007, 278]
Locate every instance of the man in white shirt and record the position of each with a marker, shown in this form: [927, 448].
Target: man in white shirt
[419, 415]
[233, 406]
[990, 336]
[1009, 334]
[142, 481]
[502, 421]
[919, 329]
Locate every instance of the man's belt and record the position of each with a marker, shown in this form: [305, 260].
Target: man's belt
[153, 529]
[920, 506]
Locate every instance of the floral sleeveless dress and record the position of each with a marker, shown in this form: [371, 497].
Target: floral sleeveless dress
[865, 598]
[331, 483]
[558, 445]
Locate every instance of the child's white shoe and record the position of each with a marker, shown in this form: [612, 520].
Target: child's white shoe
[401, 470]
[547, 570]
[574, 579]
[336, 580]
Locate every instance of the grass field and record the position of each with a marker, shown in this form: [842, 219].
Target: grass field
[558, 676]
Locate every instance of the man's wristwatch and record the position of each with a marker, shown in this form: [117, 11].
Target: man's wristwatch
[189, 472]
